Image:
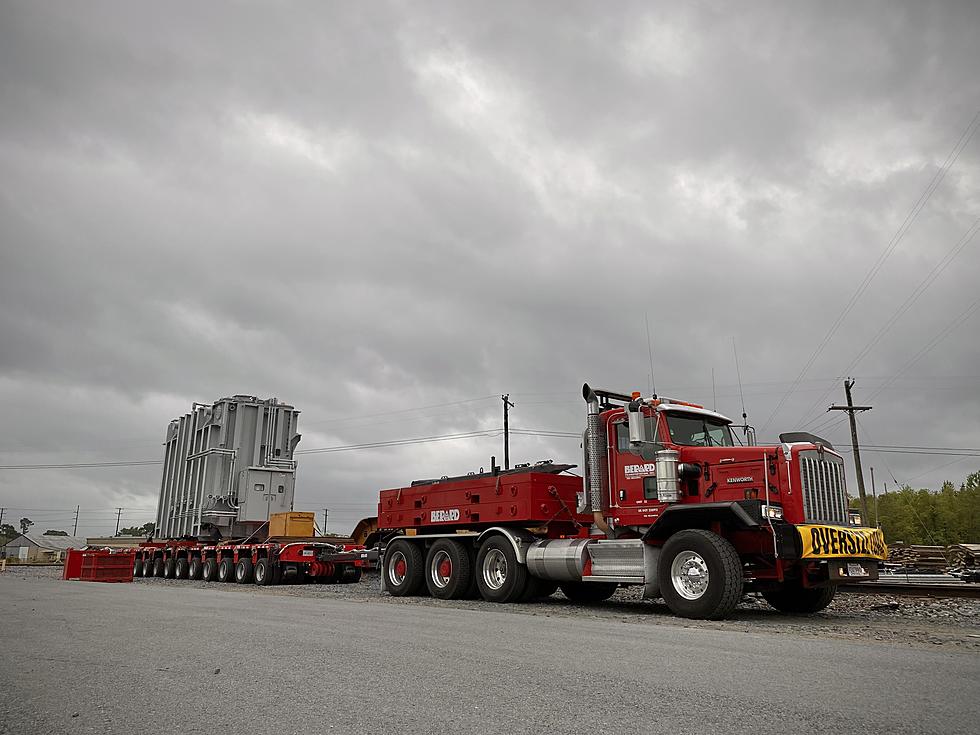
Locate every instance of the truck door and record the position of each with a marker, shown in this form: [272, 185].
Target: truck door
[633, 476]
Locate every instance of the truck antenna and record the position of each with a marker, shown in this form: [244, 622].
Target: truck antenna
[653, 381]
[738, 372]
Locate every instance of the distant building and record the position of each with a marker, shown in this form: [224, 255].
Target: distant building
[36, 547]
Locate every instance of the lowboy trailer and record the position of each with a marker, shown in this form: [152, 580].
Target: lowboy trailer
[668, 501]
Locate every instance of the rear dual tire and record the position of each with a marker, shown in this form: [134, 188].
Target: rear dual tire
[448, 570]
[500, 577]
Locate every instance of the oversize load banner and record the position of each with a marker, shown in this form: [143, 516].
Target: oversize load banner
[823, 542]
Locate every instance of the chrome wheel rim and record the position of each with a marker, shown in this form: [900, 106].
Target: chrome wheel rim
[689, 575]
[397, 568]
[495, 569]
[441, 569]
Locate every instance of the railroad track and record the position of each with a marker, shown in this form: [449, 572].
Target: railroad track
[970, 590]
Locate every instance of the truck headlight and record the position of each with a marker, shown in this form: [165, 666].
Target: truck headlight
[772, 511]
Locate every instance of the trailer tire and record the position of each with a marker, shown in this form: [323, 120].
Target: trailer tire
[700, 575]
[263, 573]
[169, 569]
[148, 567]
[226, 569]
[181, 569]
[588, 592]
[404, 568]
[500, 577]
[138, 568]
[794, 598]
[194, 569]
[209, 572]
[243, 571]
[350, 575]
[158, 567]
[448, 570]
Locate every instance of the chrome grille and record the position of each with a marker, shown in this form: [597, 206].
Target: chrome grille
[824, 490]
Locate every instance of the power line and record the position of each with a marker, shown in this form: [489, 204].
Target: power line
[79, 465]
[885, 254]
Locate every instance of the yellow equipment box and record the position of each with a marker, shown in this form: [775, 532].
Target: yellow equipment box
[291, 524]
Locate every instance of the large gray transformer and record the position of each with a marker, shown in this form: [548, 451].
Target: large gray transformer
[227, 467]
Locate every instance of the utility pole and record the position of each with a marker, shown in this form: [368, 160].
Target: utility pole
[118, 513]
[851, 410]
[326, 514]
[507, 405]
[75, 529]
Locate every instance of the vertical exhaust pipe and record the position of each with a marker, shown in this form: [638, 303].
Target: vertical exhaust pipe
[595, 451]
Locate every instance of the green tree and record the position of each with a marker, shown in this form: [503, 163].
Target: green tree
[949, 516]
[25, 523]
[51, 532]
[7, 532]
[145, 530]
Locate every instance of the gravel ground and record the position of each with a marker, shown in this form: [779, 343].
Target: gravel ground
[883, 619]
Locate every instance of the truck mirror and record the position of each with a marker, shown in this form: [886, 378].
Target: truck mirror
[637, 426]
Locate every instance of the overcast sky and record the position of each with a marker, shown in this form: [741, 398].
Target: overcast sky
[368, 208]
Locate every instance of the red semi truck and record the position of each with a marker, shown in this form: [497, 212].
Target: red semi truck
[669, 500]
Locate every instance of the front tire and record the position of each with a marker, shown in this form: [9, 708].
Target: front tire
[700, 575]
[794, 598]
[404, 568]
[448, 570]
[499, 576]
[588, 592]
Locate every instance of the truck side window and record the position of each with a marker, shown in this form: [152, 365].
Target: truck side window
[647, 451]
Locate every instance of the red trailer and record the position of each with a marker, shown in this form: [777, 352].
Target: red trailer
[269, 562]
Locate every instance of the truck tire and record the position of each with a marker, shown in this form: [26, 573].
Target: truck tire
[404, 568]
[158, 567]
[500, 577]
[350, 575]
[588, 592]
[148, 567]
[447, 570]
[181, 569]
[243, 571]
[792, 597]
[138, 568]
[700, 575]
[209, 571]
[263, 573]
[194, 569]
[226, 569]
[169, 569]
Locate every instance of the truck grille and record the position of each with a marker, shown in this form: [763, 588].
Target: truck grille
[824, 491]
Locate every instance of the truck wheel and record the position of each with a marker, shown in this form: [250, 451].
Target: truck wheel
[263, 572]
[194, 569]
[243, 571]
[138, 568]
[500, 577]
[404, 568]
[169, 569]
[181, 569]
[448, 570]
[148, 567]
[209, 572]
[700, 575]
[792, 597]
[226, 569]
[158, 567]
[586, 592]
[350, 575]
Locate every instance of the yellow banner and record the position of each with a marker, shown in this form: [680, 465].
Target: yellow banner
[837, 542]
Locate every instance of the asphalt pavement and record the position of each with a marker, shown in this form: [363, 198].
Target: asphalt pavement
[123, 658]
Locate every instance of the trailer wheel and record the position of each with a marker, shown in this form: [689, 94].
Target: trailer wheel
[350, 575]
[792, 597]
[148, 567]
[209, 573]
[226, 569]
[404, 568]
[700, 575]
[588, 592]
[500, 577]
[158, 567]
[263, 573]
[448, 570]
[169, 569]
[194, 569]
[243, 571]
[138, 568]
[181, 569]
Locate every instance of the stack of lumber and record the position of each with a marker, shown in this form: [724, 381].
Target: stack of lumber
[918, 557]
[963, 557]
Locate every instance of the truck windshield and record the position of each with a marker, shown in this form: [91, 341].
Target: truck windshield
[699, 431]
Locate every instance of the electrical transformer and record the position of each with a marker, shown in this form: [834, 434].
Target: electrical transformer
[227, 467]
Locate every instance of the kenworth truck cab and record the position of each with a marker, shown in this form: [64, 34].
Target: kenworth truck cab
[668, 501]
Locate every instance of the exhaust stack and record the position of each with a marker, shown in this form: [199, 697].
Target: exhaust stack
[595, 450]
